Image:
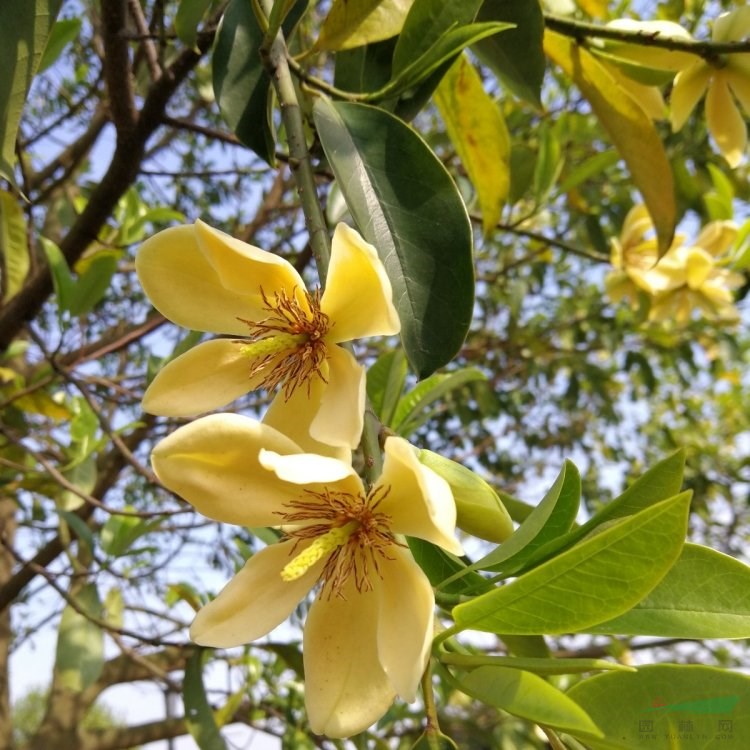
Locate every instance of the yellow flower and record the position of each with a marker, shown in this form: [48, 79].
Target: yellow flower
[203, 279]
[722, 85]
[689, 277]
[368, 633]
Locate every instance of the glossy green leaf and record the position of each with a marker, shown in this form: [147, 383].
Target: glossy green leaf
[189, 15]
[706, 594]
[440, 566]
[14, 246]
[598, 579]
[364, 69]
[405, 203]
[64, 31]
[516, 57]
[550, 519]
[529, 696]
[24, 30]
[198, 714]
[480, 136]
[668, 707]
[241, 84]
[385, 383]
[80, 642]
[412, 410]
[479, 510]
[353, 23]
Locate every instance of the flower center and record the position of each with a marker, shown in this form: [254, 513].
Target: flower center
[346, 529]
[288, 346]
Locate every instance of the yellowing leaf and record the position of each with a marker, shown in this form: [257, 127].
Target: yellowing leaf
[14, 248]
[354, 23]
[595, 8]
[477, 129]
[628, 126]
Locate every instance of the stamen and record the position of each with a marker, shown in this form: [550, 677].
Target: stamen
[324, 544]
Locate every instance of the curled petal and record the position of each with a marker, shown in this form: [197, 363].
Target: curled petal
[184, 287]
[689, 87]
[213, 463]
[358, 297]
[405, 621]
[294, 415]
[724, 121]
[246, 269]
[420, 502]
[206, 377]
[340, 418]
[346, 688]
[255, 601]
[309, 469]
[717, 237]
[635, 227]
[699, 266]
[732, 27]
[738, 75]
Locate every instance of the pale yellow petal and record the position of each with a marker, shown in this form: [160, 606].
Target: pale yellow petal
[699, 267]
[405, 621]
[206, 377]
[255, 601]
[340, 418]
[717, 237]
[732, 27]
[653, 57]
[358, 298]
[213, 463]
[346, 688]
[724, 121]
[636, 225]
[738, 75]
[184, 287]
[246, 269]
[294, 415]
[309, 469]
[689, 87]
[419, 502]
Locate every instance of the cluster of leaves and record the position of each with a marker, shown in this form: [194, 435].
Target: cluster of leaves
[433, 106]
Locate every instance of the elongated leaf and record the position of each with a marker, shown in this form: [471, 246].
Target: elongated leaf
[516, 57]
[24, 30]
[527, 695]
[411, 411]
[596, 580]
[353, 23]
[705, 595]
[92, 284]
[548, 520]
[120, 532]
[439, 566]
[188, 16]
[668, 707]
[61, 277]
[385, 384]
[62, 34]
[14, 247]
[629, 127]
[80, 642]
[198, 714]
[407, 206]
[478, 132]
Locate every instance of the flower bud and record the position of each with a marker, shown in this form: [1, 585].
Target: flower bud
[480, 511]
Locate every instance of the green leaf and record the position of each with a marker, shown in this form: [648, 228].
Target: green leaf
[80, 643]
[516, 57]
[364, 69]
[529, 696]
[189, 15]
[706, 594]
[411, 411]
[198, 714]
[353, 23]
[61, 278]
[549, 164]
[385, 383]
[92, 284]
[120, 532]
[405, 203]
[649, 708]
[549, 520]
[478, 131]
[14, 247]
[64, 31]
[82, 531]
[598, 579]
[24, 30]
[440, 566]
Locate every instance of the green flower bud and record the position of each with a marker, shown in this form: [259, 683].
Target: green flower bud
[481, 513]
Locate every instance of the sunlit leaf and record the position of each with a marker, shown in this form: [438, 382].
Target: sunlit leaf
[199, 717]
[14, 246]
[353, 23]
[63, 32]
[477, 129]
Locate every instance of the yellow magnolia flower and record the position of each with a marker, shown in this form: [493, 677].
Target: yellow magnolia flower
[722, 85]
[368, 633]
[689, 277]
[205, 280]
